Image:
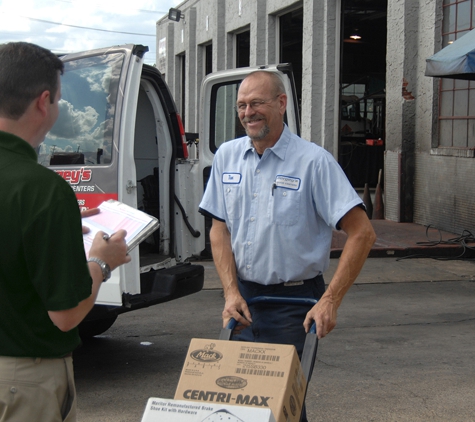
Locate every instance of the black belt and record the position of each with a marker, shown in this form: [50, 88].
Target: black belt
[288, 283]
[300, 282]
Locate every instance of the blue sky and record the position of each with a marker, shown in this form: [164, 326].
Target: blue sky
[66, 26]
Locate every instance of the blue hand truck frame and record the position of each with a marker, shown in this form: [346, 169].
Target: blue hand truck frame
[310, 347]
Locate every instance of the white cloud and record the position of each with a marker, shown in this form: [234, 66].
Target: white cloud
[54, 23]
[74, 123]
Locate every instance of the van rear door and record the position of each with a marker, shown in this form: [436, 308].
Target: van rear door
[92, 144]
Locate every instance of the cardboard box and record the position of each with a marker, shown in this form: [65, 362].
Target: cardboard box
[247, 374]
[167, 410]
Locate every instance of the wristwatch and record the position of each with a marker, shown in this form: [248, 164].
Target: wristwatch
[106, 270]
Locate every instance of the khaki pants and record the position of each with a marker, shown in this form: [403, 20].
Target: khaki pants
[36, 389]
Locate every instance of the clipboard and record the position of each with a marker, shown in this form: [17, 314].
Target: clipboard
[116, 215]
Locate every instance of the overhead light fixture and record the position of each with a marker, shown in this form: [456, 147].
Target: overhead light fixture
[175, 15]
[355, 36]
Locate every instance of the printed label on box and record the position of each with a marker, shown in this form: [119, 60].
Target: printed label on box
[167, 410]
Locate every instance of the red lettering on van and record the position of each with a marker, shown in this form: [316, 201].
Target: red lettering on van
[75, 177]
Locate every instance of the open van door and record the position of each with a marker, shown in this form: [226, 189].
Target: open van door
[119, 136]
[87, 145]
[220, 122]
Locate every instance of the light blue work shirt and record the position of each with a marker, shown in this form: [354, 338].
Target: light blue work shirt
[280, 209]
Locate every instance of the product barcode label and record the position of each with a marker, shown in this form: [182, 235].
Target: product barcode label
[259, 357]
[261, 372]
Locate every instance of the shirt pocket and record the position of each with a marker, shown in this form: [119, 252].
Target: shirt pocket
[233, 201]
[285, 209]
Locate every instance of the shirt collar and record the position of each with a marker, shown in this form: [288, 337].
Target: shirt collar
[17, 145]
[280, 147]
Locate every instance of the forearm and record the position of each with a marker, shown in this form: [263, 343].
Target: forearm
[360, 239]
[112, 251]
[353, 257]
[235, 306]
[67, 319]
[223, 257]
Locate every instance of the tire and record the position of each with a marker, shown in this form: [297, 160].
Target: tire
[91, 328]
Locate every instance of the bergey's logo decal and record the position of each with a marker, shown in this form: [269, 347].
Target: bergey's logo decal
[74, 177]
[231, 382]
[207, 354]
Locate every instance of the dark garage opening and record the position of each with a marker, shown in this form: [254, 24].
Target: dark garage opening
[362, 90]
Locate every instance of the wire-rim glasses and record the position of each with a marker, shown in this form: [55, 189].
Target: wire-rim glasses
[254, 104]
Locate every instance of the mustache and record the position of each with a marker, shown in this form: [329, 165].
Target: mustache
[252, 119]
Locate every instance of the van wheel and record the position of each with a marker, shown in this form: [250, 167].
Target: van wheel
[91, 328]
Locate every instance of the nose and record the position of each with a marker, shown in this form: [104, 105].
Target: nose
[249, 111]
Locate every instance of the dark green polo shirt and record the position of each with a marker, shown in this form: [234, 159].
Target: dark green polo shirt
[42, 260]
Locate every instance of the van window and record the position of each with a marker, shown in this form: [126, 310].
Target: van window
[83, 132]
[225, 124]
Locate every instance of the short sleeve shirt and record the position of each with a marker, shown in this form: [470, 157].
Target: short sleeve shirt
[43, 266]
[281, 208]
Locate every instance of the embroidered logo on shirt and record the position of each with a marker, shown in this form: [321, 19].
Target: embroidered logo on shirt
[287, 182]
[232, 178]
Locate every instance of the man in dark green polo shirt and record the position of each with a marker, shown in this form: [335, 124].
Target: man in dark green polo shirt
[46, 285]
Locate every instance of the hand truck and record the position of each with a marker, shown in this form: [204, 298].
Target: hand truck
[309, 353]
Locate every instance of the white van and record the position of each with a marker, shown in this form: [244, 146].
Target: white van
[119, 136]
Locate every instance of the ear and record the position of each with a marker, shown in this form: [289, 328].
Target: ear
[43, 102]
[282, 103]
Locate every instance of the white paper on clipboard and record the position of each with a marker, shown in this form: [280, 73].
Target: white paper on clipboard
[116, 215]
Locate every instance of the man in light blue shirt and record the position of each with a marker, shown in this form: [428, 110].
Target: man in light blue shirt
[280, 209]
[275, 199]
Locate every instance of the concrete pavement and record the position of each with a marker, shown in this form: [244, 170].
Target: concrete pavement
[386, 270]
[403, 349]
[409, 239]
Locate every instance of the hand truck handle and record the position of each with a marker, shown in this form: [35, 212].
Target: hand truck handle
[276, 300]
[311, 340]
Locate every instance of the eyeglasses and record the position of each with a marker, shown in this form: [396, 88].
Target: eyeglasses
[255, 104]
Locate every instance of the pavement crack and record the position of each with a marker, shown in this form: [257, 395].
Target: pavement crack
[327, 364]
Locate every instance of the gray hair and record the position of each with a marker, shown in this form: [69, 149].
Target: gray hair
[277, 84]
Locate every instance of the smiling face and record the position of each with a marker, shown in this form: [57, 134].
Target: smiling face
[263, 121]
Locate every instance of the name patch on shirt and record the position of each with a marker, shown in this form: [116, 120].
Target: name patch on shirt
[287, 182]
[232, 178]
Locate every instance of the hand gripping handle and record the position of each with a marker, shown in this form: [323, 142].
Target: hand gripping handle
[311, 341]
